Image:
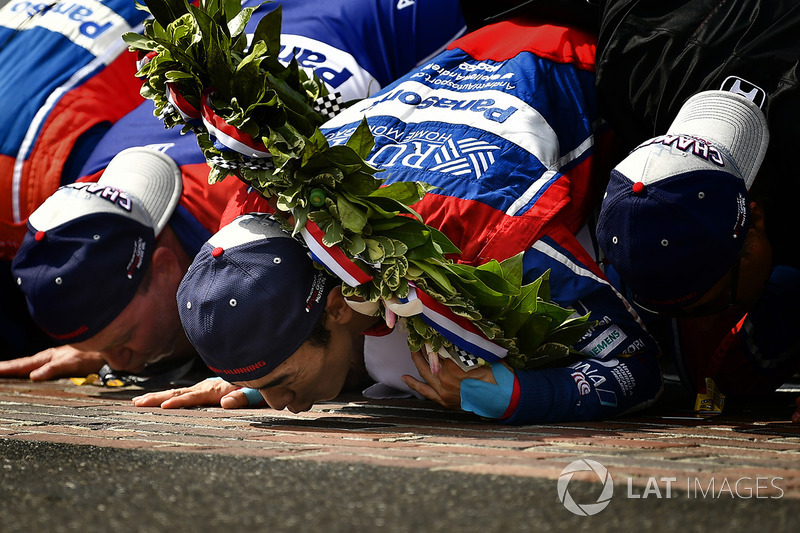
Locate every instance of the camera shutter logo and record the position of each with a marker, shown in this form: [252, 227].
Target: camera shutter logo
[585, 509]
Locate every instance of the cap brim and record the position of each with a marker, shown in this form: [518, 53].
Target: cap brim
[151, 177]
[729, 121]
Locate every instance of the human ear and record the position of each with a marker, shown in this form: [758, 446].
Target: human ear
[337, 308]
[166, 266]
[758, 217]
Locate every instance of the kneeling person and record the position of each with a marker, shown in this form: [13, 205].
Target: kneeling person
[101, 263]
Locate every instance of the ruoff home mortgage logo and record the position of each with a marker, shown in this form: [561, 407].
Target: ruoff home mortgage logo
[591, 508]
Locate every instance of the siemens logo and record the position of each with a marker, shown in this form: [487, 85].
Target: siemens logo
[605, 342]
[486, 106]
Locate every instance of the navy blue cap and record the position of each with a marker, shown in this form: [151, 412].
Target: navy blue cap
[88, 245]
[251, 298]
[675, 215]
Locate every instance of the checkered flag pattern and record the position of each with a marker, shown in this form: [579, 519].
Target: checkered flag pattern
[329, 105]
[465, 360]
[221, 162]
[259, 164]
[232, 164]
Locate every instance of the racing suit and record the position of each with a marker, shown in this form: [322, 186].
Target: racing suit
[66, 77]
[505, 123]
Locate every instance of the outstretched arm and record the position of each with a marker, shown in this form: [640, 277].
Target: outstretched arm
[213, 392]
[589, 390]
[53, 363]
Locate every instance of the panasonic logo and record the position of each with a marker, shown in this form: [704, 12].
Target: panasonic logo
[486, 106]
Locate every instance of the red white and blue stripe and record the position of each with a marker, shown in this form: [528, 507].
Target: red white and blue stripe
[227, 135]
[333, 257]
[457, 329]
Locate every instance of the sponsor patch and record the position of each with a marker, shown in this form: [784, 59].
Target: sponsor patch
[605, 342]
[87, 23]
[582, 383]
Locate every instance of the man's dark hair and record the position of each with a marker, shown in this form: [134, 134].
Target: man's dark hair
[320, 336]
[146, 279]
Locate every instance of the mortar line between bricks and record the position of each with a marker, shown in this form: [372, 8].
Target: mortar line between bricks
[143, 436]
[64, 401]
[725, 437]
[155, 443]
[417, 440]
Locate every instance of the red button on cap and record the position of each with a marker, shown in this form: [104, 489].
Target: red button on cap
[638, 187]
[218, 251]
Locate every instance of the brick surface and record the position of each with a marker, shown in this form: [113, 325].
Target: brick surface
[758, 448]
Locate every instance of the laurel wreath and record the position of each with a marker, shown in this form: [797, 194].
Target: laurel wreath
[197, 64]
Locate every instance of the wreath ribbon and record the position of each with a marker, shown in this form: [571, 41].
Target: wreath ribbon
[227, 135]
[333, 257]
[457, 329]
[184, 108]
[143, 58]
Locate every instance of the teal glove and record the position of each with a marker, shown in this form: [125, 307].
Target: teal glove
[254, 397]
[487, 399]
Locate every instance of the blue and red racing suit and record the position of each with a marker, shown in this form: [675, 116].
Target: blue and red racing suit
[84, 77]
[505, 122]
[359, 46]
[66, 76]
